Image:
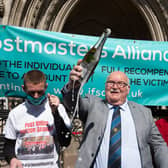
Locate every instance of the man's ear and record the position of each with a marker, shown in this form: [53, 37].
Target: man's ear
[46, 85]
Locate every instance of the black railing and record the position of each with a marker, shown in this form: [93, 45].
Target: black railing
[5, 106]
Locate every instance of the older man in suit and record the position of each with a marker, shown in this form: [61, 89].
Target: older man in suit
[141, 145]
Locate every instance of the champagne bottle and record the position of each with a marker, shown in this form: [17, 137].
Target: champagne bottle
[92, 57]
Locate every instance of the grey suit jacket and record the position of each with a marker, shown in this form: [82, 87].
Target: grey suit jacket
[93, 111]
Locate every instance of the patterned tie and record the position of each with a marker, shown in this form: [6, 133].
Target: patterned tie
[114, 160]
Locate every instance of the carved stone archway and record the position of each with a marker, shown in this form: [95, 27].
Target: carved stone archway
[138, 19]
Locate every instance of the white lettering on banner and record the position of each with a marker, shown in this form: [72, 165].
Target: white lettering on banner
[96, 92]
[17, 44]
[8, 45]
[71, 45]
[134, 53]
[32, 45]
[119, 51]
[165, 53]
[57, 91]
[62, 46]
[37, 47]
[137, 94]
[104, 53]
[51, 46]
[83, 49]
[10, 86]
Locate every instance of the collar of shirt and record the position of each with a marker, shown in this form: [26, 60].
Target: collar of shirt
[123, 106]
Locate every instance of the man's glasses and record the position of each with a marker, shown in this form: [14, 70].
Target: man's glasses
[119, 84]
[32, 93]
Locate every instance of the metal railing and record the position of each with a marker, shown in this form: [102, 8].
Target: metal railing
[6, 104]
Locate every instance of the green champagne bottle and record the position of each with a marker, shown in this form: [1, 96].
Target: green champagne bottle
[88, 65]
[93, 56]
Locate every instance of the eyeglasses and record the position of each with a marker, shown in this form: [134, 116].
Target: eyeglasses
[119, 84]
[32, 93]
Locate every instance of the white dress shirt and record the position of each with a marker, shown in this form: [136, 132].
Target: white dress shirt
[130, 156]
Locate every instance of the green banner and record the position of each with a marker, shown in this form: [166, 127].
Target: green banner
[23, 49]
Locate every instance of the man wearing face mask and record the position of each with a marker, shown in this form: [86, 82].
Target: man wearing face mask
[36, 129]
[117, 133]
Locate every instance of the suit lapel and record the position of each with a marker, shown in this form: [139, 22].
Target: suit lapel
[104, 116]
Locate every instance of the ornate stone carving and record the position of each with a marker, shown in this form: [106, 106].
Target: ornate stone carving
[2, 7]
